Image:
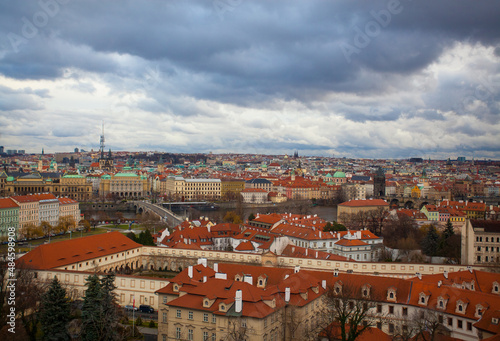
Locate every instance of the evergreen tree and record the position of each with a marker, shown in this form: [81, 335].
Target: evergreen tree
[334, 227]
[145, 238]
[251, 217]
[55, 312]
[448, 230]
[109, 318]
[430, 242]
[132, 236]
[92, 310]
[99, 312]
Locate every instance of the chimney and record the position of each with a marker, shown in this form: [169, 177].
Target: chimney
[216, 267]
[419, 275]
[306, 251]
[238, 301]
[286, 276]
[204, 279]
[316, 254]
[287, 295]
[248, 279]
[439, 284]
[297, 269]
[202, 261]
[445, 274]
[293, 249]
[220, 275]
[323, 284]
[208, 228]
[190, 271]
[320, 234]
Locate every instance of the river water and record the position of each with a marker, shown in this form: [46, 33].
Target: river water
[328, 213]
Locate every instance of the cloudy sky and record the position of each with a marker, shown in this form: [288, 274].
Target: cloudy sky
[371, 79]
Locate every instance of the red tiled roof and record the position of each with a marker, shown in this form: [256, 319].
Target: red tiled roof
[7, 203]
[351, 242]
[65, 201]
[58, 254]
[245, 246]
[361, 203]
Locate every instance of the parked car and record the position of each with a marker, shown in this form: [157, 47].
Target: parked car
[146, 309]
[131, 307]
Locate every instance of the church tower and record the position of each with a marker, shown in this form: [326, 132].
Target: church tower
[379, 183]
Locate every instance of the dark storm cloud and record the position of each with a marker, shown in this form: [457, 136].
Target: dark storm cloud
[259, 47]
[346, 63]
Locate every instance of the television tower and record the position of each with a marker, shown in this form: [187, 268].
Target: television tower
[102, 141]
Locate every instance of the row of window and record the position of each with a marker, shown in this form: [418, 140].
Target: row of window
[491, 249]
[190, 335]
[178, 314]
[488, 239]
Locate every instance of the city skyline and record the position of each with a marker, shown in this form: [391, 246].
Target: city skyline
[397, 79]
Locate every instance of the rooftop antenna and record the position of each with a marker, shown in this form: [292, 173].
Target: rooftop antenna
[102, 141]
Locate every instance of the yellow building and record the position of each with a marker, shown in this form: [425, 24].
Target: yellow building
[72, 186]
[28, 210]
[240, 302]
[193, 189]
[231, 188]
[123, 185]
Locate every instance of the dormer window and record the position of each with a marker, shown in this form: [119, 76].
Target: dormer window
[176, 288]
[338, 287]
[391, 294]
[461, 306]
[495, 288]
[423, 297]
[441, 304]
[365, 290]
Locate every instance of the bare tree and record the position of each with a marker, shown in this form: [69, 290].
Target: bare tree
[294, 323]
[346, 312]
[237, 329]
[424, 325]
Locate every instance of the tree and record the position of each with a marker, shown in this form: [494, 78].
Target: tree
[99, 312]
[448, 230]
[426, 325]
[430, 242]
[398, 228]
[145, 238]
[86, 225]
[28, 296]
[232, 217]
[251, 217]
[345, 314]
[91, 326]
[55, 312]
[46, 228]
[66, 223]
[334, 227]
[132, 236]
